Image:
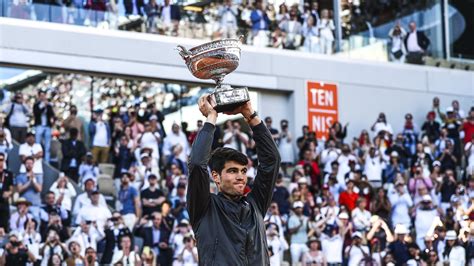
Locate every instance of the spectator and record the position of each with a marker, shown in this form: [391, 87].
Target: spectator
[431, 128]
[73, 121]
[84, 199]
[152, 12]
[453, 253]
[401, 203]
[398, 50]
[154, 236]
[416, 43]
[360, 216]
[123, 156]
[297, 228]
[17, 117]
[94, 213]
[374, 165]
[30, 185]
[176, 137]
[32, 239]
[381, 125]
[286, 147]
[16, 253]
[145, 170]
[114, 232]
[425, 214]
[310, 32]
[44, 120]
[32, 150]
[260, 24]
[234, 138]
[281, 196]
[356, 253]
[87, 235]
[394, 168]
[469, 152]
[170, 15]
[6, 189]
[151, 140]
[100, 136]
[88, 169]
[64, 192]
[129, 200]
[189, 255]
[21, 217]
[152, 197]
[75, 249]
[52, 246]
[292, 29]
[326, 28]
[228, 20]
[126, 255]
[314, 255]
[399, 248]
[51, 206]
[73, 151]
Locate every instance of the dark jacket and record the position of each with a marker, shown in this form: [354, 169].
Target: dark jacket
[71, 151]
[37, 111]
[93, 129]
[147, 234]
[423, 41]
[231, 232]
[111, 241]
[175, 13]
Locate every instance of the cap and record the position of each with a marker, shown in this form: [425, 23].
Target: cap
[394, 154]
[454, 198]
[153, 117]
[436, 163]
[89, 154]
[144, 155]
[181, 185]
[183, 223]
[451, 235]
[312, 239]
[400, 229]
[303, 180]
[152, 176]
[426, 198]
[343, 215]
[298, 204]
[357, 234]
[98, 111]
[326, 186]
[449, 109]
[22, 201]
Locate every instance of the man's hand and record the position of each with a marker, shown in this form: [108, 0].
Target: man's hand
[206, 106]
[246, 110]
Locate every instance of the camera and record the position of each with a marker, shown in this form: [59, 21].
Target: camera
[15, 243]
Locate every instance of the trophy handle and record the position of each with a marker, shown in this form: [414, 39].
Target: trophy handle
[183, 52]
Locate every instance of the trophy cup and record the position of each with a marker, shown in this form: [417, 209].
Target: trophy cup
[214, 60]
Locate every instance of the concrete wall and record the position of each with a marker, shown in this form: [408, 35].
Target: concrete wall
[365, 88]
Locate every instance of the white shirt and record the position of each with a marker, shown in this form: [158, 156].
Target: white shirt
[18, 117]
[98, 213]
[233, 143]
[356, 254]
[344, 168]
[379, 126]
[423, 221]
[173, 139]
[328, 156]
[412, 43]
[166, 15]
[87, 239]
[457, 256]
[188, 258]
[275, 244]
[332, 248]
[130, 260]
[69, 193]
[27, 150]
[361, 219]
[325, 212]
[84, 200]
[400, 207]
[373, 168]
[149, 140]
[100, 137]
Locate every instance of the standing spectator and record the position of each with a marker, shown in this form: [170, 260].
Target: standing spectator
[150, 139]
[85, 199]
[374, 165]
[397, 36]
[6, 189]
[326, 28]
[273, 131]
[469, 152]
[292, 28]
[152, 12]
[416, 43]
[381, 125]
[87, 235]
[29, 185]
[64, 192]
[281, 196]
[44, 120]
[356, 253]
[425, 214]
[176, 137]
[297, 228]
[17, 117]
[314, 255]
[431, 128]
[401, 204]
[75, 250]
[361, 216]
[260, 25]
[170, 15]
[50, 205]
[152, 197]
[468, 127]
[234, 138]
[310, 33]
[73, 151]
[228, 20]
[129, 200]
[286, 147]
[31, 238]
[154, 236]
[399, 248]
[393, 168]
[100, 136]
[454, 254]
[88, 169]
[73, 121]
[329, 155]
[459, 113]
[348, 198]
[332, 244]
[123, 156]
[381, 206]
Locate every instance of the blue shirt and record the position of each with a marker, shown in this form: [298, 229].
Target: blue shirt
[30, 193]
[126, 197]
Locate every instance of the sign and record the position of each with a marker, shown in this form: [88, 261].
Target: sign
[322, 107]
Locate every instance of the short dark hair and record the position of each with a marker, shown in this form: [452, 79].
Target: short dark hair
[73, 132]
[222, 155]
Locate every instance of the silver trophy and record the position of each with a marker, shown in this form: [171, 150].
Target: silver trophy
[214, 60]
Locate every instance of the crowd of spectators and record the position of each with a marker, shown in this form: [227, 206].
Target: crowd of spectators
[387, 197]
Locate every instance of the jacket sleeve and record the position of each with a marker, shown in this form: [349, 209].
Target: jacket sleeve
[268, 167]
[198, 194]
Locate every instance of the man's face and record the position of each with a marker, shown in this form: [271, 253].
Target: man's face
[268, 122]
[42, 96]
[157, 220]
[125, 180]
[232, 179]
[152, 181]
[89, 186]
[199, 124]
[435, 101]
[29, 165]
[126, 243]
[175, 129]
[298, 211]
[22, 208]
[412, 26]
[50, 199]
[236, 125]
[30, 140]
[95, 198]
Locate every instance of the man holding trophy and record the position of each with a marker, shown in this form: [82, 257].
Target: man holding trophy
[229, 225]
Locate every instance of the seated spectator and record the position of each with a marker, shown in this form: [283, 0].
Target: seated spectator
[21, 217]
[16, 253]
[50, 205]
[88, 169]
[114, 232]
[32, 239]
[155, 236]
[52, 246]
[30, 184]
[64, 192]
[87, 234]
[126, 255]
[85, 199]
[94, 212]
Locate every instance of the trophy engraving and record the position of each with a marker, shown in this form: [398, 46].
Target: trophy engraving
[214, 60]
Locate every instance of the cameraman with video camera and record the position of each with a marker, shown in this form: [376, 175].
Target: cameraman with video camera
[16, 253]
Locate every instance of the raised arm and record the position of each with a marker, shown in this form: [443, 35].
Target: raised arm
[198, 194]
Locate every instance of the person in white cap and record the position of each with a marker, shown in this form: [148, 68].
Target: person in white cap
[401, 203]
[399, 248]
[357, 253]
[425, 214]
[453, 253]
[298, 228]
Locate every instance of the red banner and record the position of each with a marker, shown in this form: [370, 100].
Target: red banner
[322, 107]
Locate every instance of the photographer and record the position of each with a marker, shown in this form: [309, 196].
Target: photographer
[87, 235]
[115, 230]
[52, 246]
[356, 253]
[91, 257]
[16, 253]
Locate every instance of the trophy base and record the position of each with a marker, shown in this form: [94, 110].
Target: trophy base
[227, 98]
